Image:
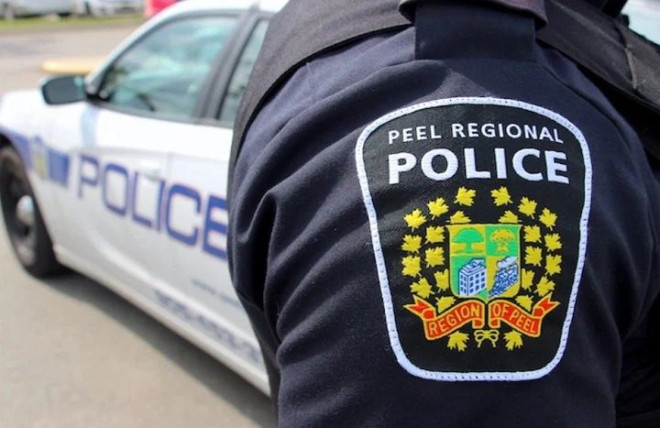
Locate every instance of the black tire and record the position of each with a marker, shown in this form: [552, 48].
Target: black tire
[31, 243]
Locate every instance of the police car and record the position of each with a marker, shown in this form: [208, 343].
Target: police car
[122, 176]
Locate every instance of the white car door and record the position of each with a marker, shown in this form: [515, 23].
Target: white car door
[202, 164]
[147, 108]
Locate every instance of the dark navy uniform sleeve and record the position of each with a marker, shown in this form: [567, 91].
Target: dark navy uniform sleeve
[429, 235]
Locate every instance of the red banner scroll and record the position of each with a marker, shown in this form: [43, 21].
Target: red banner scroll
[474, 311]
[518, 318]
[449, 321]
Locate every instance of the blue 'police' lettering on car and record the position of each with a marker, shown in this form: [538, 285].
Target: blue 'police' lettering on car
[86, 180]
[137, 217]
[211, 226]
[191, 194]
[122, 173]
[92, 174]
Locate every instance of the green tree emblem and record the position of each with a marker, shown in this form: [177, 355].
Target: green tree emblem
[468, 237]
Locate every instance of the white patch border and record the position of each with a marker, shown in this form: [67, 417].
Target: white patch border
[380, 260]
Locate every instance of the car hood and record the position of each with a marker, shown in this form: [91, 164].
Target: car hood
[19, 110]
[27, 98]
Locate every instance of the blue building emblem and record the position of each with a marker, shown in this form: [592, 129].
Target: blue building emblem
[472, 278]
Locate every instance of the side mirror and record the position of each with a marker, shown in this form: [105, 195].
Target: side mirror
[64, 90]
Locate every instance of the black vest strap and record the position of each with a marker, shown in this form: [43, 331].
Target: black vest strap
[625, 66]
[499, 33]
[605, 48]
[326, 25]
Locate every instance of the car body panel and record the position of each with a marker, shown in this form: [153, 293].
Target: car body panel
[107, 7]
[138, 202]
[38, 7]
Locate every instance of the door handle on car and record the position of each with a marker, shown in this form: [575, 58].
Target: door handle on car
[151, 170]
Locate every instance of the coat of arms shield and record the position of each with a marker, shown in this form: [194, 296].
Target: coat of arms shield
[484, 260]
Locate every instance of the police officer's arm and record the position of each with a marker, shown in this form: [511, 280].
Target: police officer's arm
[450, 240]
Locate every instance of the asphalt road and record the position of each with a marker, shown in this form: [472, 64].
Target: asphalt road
[75, 355]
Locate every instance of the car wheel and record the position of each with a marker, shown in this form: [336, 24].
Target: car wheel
[8, 12]
[23, 222]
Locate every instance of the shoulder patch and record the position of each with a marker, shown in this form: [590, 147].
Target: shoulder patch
[478, 209]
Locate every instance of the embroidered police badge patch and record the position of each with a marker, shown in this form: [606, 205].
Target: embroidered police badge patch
[478, 209]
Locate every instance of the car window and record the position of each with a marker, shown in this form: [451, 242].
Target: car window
[644, 18]
[164, 72]
[241, 74]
